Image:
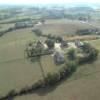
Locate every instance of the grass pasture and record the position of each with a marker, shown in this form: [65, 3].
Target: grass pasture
[84, 84]
[14, 68]
[17, 72]
[63, 27]
[87, 88]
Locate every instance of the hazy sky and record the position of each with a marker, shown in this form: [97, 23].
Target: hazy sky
[47, 1]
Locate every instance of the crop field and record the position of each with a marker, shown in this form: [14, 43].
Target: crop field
[63, 27]
[84, 84]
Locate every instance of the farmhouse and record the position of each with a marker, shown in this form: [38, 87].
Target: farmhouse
[57, 46]
[59, 57]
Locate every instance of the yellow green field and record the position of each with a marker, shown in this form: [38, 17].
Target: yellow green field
[17, 72]
[84, 84]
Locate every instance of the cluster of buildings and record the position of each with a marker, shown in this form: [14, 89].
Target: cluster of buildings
[57, 52]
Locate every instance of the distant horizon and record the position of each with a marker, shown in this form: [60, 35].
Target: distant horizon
[46, 2]
[68, 5]
[41, 3]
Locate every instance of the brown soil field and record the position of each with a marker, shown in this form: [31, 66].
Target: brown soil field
[63, 27]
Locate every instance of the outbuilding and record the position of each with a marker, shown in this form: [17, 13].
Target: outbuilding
[59, 58]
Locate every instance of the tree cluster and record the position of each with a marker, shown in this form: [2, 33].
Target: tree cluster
[89, 52]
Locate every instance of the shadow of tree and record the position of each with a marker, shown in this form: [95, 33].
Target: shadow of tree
[45, 91]
[34, 59]
[49, 89]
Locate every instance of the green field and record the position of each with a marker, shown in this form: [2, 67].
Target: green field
[16, 71]
[84, 84]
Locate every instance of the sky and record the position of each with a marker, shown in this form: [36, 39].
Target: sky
[48, 1]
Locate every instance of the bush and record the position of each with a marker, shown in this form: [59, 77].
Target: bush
[38, 84]
[52, 79]
[51, 37]
[72, 66]
[37, 32]
[59, 39]
[71, 54]
[87, 31]
[63, 72]
[11, 94]
[50, 43]
[93, 54]
[90, 54]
